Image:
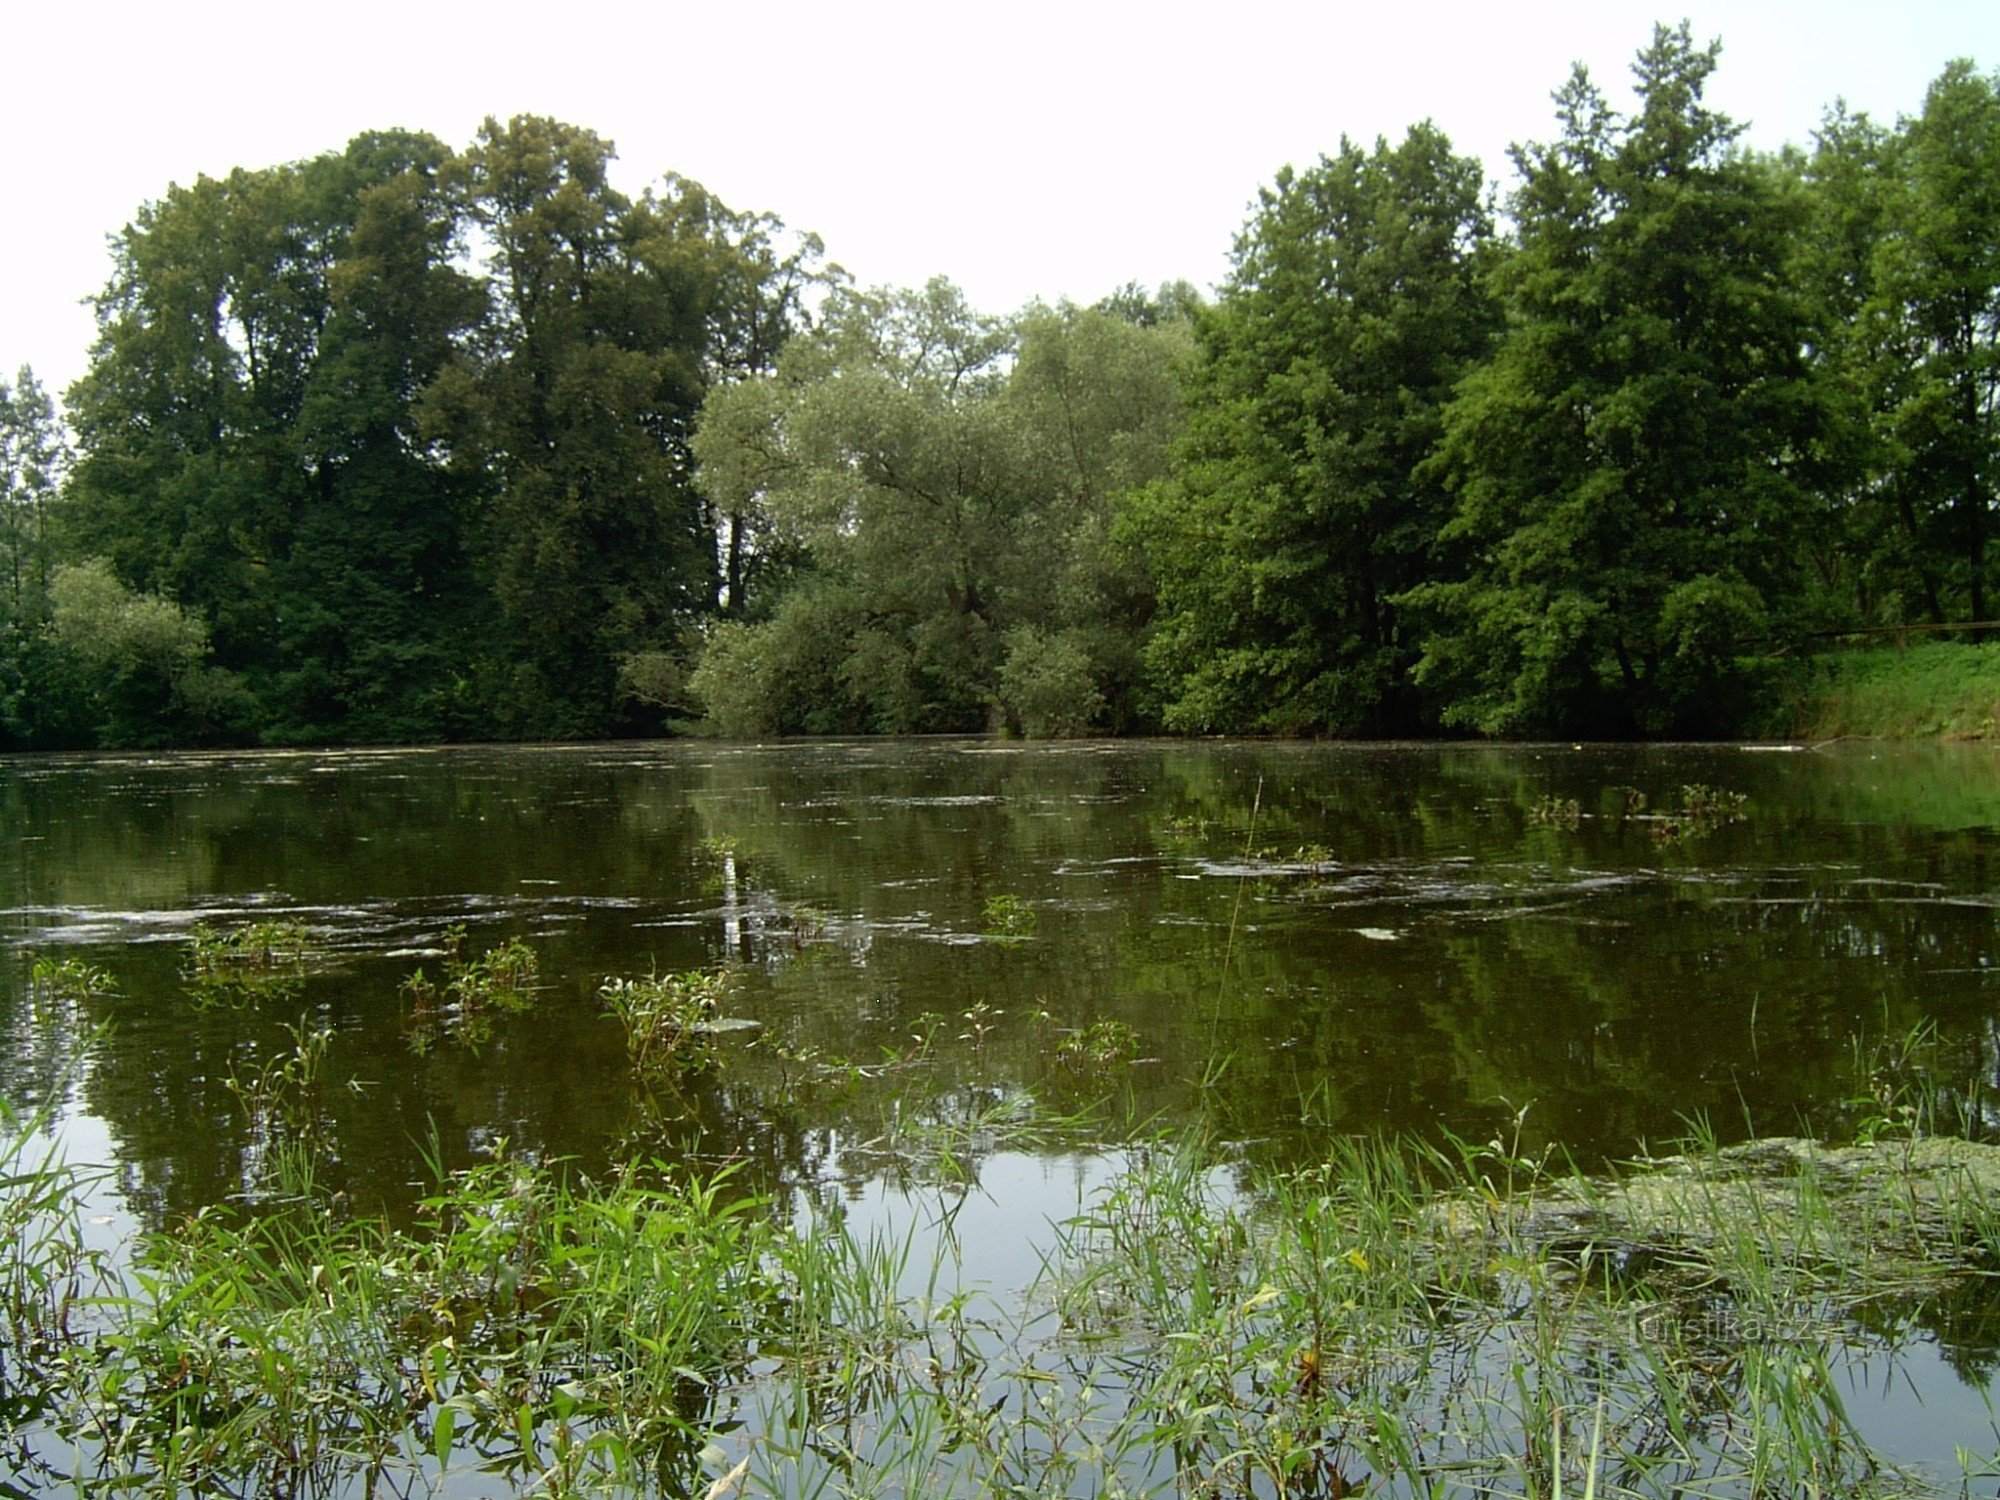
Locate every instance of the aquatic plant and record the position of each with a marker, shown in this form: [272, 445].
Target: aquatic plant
[461, 1005]
[1558, 812]
[1008, 917]
[668, 1020]
[282, 1101]
[1101, 1045]
[68, 981]
[1397, 1318]
[257, 961]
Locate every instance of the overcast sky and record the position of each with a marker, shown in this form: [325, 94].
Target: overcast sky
[1043, 148]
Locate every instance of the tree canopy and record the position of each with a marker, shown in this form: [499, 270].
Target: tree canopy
[415, 442]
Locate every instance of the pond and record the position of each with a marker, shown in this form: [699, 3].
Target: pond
[1020, 949]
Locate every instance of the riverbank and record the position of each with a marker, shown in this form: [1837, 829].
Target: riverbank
[1936, 690]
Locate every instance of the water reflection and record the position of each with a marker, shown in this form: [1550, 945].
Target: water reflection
[1302, 939]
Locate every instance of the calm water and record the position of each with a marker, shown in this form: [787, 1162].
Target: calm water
[1305, 939]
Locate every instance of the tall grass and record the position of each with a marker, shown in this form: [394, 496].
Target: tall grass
[1939, 688]
[1395, 1320]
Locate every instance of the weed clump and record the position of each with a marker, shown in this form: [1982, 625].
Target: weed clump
[258, 961]
[54, 982]
[669, 1021]
[461, 1005]
[1008, 918]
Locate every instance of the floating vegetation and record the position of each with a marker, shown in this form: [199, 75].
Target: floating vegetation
[1557, 812]
[461, 1005]
[1008, 918]
[1098, 1047]
[1702, 809]
[54, 982]
[805, 925]
[257, 961]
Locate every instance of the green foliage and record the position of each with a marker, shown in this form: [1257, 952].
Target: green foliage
[258, 960]
[1008, 916]
[66, 981]
[1626, 465]
[1048, 684]
[411, 493]
[948, 480]
[34, 456]
[1939, 688]
[249, 449]
[575, 412]
[407, 443]
[1300, 510]
[127, 668]
[1100, 1046]
[1932, 332]
[462, 1006]
[668, 1021]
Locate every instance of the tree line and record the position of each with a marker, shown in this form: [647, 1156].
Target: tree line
[408, 443]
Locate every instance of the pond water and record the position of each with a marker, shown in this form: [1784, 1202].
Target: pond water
[1585, 947]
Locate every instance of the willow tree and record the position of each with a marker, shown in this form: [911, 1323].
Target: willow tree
[948, 479]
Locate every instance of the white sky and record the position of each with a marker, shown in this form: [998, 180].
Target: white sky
[1044, 148]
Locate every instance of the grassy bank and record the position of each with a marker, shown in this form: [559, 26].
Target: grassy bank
[1947, 689]
[1395, 1320]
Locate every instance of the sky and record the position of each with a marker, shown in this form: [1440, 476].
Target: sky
[1044, 148]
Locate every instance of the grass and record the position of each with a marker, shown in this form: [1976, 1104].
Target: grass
[1937, 689]
[1394, 1320]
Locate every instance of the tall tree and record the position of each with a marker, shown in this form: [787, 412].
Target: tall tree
[1628, 465]
[34, 456]
[950, 478]
[759, 280]
[248, 449]
[1934, 318]
[1301, 511]
[575, 406]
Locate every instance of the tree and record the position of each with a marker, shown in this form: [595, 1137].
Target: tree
[248, 449]
[949, 479]
[127, 668]
[1628, 466]
[1934, 322]
[1300, 511]
[34, 456]
[760, 278]
[575, 405]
